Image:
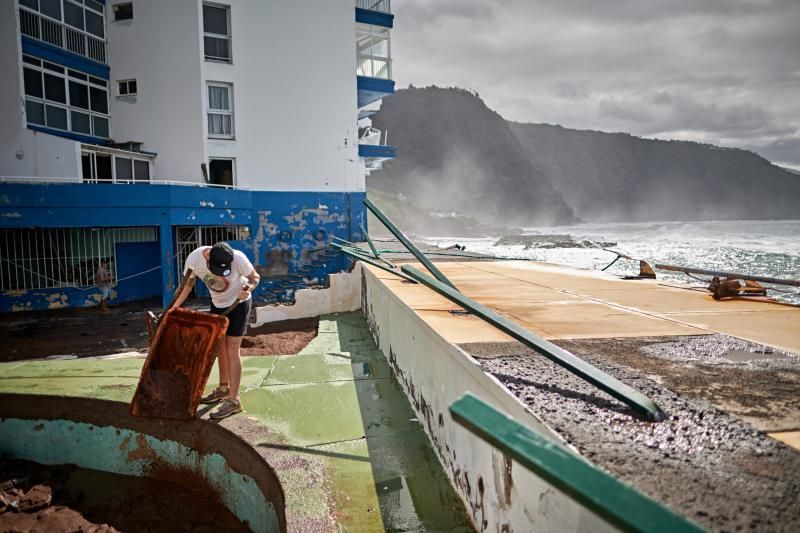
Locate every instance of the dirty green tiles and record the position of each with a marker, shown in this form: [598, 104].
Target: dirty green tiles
[106, 388]
[308, 413]
[320, 368]
[350, 475]
[384, 408]
[414, 493]
[255, 369]
[128, 367]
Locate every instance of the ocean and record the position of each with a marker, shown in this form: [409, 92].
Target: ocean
[764, 248]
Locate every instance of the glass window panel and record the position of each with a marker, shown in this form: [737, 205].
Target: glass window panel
[141, 170]
[218, 98]
[56, 117]
[94, 24]
[54, 88]
[97, 6]
[215, 20]
[33, 82]
[124, 169]
[73, 15]
[214, 124]
[100, 126]
[53, 67]
[132, 89]
[98, 81]
[80, 122]
[31, 60]
[77, 75]
[78, 95]
[99, 100]
[34, 111]
[33, 4]
[216, 48]
[123, 11]
[380, 47]
[51, 8]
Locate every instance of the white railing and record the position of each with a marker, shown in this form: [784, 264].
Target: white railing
[372, 136]
[153, 181]
[384, 6]
[59, 34]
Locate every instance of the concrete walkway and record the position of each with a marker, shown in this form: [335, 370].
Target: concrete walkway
[332, 421]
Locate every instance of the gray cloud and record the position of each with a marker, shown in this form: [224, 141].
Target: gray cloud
[719, 71]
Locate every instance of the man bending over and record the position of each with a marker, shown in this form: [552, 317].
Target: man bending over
[229, 275]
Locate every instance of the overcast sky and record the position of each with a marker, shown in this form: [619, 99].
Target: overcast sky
[725, 72]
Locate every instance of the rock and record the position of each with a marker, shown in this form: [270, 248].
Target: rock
[38, 497]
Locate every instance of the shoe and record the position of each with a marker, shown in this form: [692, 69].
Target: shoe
[229, 407]
[216, 395]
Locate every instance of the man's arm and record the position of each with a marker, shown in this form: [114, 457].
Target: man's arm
[183, 290]
[252, 282]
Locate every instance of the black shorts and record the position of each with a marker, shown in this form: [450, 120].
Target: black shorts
[237, 319]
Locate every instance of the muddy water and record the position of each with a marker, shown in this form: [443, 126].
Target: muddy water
[704, 463]
[68, 498]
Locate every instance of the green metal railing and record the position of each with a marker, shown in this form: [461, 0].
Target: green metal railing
[610, 499]
[360, 255]
[407, 243]
[624, 393]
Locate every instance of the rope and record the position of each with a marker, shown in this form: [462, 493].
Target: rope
[61, 284]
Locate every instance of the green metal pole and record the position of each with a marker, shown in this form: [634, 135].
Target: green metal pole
[407, 243]
[612, 500]
[369, 241]
[372, 262]
[628, 395]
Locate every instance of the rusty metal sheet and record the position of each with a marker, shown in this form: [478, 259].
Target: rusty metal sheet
[181, 356]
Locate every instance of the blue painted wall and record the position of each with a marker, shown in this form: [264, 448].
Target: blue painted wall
[135, 264]
[282, 224]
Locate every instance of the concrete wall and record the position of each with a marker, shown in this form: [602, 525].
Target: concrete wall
[342, 295]
[294, 91]
[24, 152]
[499, 494]
[284, 227]
[161, 48]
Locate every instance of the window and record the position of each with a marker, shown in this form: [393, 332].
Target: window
[123, 12]
[373, 51]
[65, 99]
[127, 167]
[220, 172]
[220, 110]
[126, 87]
[216, 32]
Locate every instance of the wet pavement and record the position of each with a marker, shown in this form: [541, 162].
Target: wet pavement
[705, 463]
[332, 421]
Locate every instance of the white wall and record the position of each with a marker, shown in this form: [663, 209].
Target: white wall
[294, 80]
[161, 49]
[294, 91]
[24, 152]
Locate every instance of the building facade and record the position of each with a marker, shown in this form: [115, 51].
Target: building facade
[137, 130]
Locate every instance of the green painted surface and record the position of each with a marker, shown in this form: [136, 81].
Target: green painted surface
[341, 434]
[611, 499]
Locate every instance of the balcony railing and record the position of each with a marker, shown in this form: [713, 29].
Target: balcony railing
[58, 34]
[385, 6]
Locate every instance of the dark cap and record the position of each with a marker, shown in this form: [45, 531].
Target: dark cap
[220, 259]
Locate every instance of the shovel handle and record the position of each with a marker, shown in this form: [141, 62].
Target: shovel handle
[231, 307]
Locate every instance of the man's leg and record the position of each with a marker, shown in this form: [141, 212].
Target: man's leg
[234, 345]
[223, 364]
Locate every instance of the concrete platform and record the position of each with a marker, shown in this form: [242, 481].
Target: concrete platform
[331, 421]
[564, 303]
[668, 342]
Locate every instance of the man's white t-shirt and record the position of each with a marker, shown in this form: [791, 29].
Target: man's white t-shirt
[224, 289]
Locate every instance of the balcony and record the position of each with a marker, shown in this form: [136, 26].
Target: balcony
[383, 6]
[372, 148]
[60, 35]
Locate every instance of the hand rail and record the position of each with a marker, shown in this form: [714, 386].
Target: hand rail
[624, 393]
[355, 255]
[408, 244]
[609, 498]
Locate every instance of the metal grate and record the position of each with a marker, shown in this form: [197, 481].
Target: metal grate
[188, 238]
[42, 258]
[375, 5]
